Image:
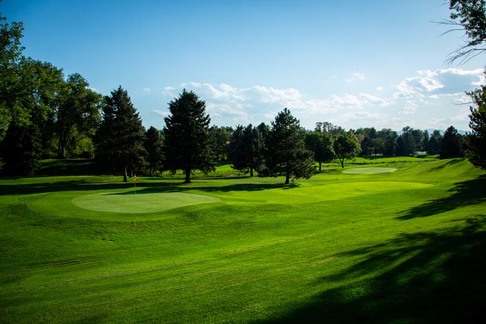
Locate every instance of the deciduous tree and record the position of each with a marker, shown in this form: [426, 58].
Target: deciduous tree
[346, 146]
[77, 114]
[320, 143]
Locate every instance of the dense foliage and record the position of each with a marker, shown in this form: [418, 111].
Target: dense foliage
[346, 146]
[476, 140]
[119, 140]
[44, 114]
[286, 153]
[451, 144]
[187, 136]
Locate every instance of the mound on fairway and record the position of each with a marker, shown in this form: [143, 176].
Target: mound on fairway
[141, 202]
[372, 170]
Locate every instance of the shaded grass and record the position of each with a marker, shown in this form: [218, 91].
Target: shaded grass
[334, 248]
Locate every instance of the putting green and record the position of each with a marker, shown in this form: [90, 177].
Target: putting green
[132, 202]
[372, 170]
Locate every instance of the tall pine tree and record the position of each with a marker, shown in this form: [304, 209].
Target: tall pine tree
[476, 140]
[119, 140]
[286, 153]
[246, 149]
[451, 144]
[187, 136]
[153, 145]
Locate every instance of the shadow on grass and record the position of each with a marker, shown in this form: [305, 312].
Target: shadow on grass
[145, 187]
[465, 193]
[432, 277]
[219, 188]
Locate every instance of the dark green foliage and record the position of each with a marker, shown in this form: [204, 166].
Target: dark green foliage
[471, 16]
[407, 142]
[476, 140]
[246, 149]
[236, 149]
[451, 144]
[31, 112]
[434, 144]
[21, 150]
[221, 139]
[320, 143]
[188, 139]
[346, 146]
[424, 142]
[119, 140]
[10, 55]
[389, 138]
[286, 153]
[371, 142]
[153, 146]
[329, 128]
[77, 115]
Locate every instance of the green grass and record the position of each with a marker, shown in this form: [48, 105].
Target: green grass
[130, 202]
[406, 246]
[369, 170]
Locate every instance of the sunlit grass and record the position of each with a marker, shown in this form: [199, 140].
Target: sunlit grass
[337, 247]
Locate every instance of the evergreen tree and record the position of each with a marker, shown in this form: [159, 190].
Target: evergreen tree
[246, 149]
[406, 143]
[286, 153]
[153, 145]
[187, 135]
[119, 140]
[451, 144]
[476, 140]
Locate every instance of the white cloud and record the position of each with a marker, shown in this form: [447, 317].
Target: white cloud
[442, 81]
[355, 77]
[374, 100]
[160, 112]
[417, 100]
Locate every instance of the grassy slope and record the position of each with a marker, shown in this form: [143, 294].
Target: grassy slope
[404, 246]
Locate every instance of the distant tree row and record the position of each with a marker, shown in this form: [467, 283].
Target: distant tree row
[44, 114]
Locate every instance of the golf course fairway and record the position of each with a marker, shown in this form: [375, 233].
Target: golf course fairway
[398, 247]
[369, 170]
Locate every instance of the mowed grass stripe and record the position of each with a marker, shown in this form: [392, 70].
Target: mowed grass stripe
[332, 248]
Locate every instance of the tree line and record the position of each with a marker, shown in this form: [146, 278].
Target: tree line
[44, 114]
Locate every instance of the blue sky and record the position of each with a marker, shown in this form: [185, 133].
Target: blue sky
[357, 63]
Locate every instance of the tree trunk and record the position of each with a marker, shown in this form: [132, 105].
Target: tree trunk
[342, 163]
[188, 176]
[125, 175]
[62, 145]
[287, 177]
[251, 172]
[320, 166]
